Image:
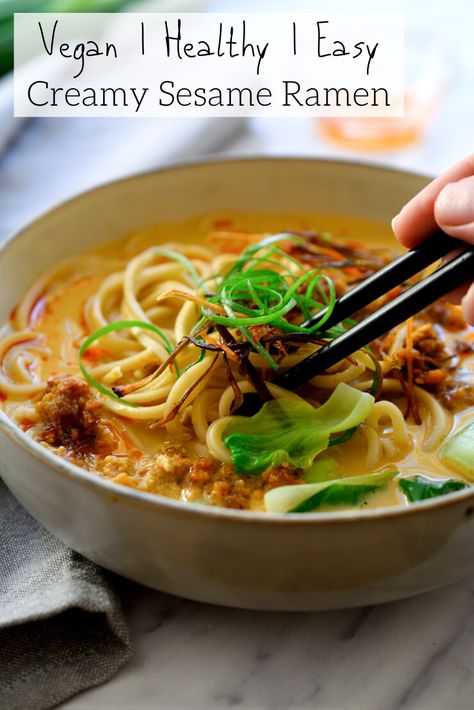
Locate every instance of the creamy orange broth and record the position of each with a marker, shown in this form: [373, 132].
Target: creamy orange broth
[61, 322]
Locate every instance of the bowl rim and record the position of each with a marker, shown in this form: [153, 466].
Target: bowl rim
[156, 501]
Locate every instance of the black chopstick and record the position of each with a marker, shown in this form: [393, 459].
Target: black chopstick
[412, 301]
[401, 269]
[419, 296]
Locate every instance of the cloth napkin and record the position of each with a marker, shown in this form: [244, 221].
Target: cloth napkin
[61, 624]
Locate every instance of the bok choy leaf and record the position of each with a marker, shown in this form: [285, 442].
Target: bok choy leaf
[287, 430]
[309, 497]
[324, 468]
[458, 451]
[422, 487]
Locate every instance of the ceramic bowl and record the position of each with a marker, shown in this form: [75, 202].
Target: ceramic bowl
[244, 559]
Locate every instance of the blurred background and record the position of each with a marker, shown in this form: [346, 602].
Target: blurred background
[43, 161]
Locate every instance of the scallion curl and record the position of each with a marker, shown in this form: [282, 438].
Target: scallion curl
[110, 328]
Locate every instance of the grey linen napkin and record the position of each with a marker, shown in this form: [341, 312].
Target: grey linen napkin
[61, 625]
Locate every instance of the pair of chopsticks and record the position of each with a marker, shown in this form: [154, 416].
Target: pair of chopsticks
[444, 279]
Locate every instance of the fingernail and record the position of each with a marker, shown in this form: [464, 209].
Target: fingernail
[394, 222]
[455, 204]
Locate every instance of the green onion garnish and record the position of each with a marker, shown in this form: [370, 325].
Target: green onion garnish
[264, 297]
[111, 327]
[176, 256]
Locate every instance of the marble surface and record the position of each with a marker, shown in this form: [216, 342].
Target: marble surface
[415, 654]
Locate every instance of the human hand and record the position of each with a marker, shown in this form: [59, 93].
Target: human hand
[448, 203]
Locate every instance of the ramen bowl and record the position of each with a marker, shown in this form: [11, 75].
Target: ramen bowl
[236, 558]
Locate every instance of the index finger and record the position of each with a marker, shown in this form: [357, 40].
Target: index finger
[416, 220]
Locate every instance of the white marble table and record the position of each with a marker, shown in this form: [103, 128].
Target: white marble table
[415, 654]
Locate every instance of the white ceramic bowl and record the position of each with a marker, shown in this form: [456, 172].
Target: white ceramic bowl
[254, 560]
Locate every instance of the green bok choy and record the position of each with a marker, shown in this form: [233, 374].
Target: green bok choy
[292, 431]
[422, 487]
[458, 452]
[310, 497]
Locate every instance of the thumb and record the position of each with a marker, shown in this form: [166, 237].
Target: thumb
[468, 305]
[454, 209]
